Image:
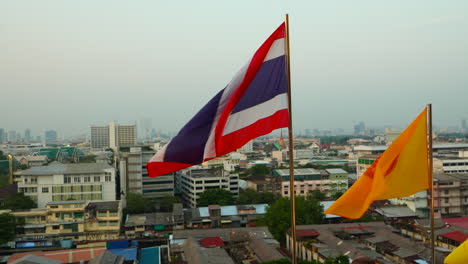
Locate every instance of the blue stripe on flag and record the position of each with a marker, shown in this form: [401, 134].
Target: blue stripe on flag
[269, 81]
[189, 144]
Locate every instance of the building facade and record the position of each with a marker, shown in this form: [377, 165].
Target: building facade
[195, 181]
[99, 136]
[134, 176]
[62, 182]
[305, 181]
[75, 220]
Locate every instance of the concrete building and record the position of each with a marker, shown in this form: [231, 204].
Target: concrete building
[134, 176]
[121, 135]
[113, 136]
[305, 181]
[193, 182]
[3, 135]
[338, 180]
[417, 203]
[75, 220]
[99, 136]
[451, 194]
[61, 182]
[268, 184]
[451, 165]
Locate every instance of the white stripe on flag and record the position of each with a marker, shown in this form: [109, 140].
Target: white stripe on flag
[210, 148]
[276, 50]
[251, 115]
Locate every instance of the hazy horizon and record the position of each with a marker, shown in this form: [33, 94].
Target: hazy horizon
[67, 65]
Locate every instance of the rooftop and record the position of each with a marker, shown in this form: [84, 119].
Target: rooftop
[60, 168]
[307, 171]
[336, 171]
[105, 205]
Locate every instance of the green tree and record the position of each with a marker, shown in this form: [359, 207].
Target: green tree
[278, 216]
[318, 195]
[259, 170]
[7, 228]
[250, 196]
[336, 195]
[215, 196]
[167, 202]
[19, 201]
[138, 204]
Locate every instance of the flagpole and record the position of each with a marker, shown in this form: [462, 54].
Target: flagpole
[431, 180]
[292, 192]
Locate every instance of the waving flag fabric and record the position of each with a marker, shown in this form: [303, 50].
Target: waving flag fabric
[400, 171]
[253, 104]
[459, 255]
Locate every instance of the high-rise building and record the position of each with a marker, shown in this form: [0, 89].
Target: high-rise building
[99, 136]
[360, 128]
[463, 125]
[113, 136]
[12, 136]
[50, 136]
[134, 177]
[2, 135]
[27, 135]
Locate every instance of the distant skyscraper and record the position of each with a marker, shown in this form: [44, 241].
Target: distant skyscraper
[463, 125]
[360, 128]
[50, 136]
[27, 135]
[2, 135]
[12, 136]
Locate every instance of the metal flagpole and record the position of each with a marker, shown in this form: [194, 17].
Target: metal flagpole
[431, 180]
[292, 192]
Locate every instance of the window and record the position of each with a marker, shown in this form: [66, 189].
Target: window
[102, 223]
[446, 200]
[45, 189]
[113, 213]
[66, 179]
[446, 192]
[76, 179]
[113, 223]
[108, 178]
[102, 214]
[87, 179]
[56, 227]
[97, 178]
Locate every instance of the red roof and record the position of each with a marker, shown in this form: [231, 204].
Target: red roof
[307, 233]
[456, 235]
[76, 255]
[459, 221]
[212, 242]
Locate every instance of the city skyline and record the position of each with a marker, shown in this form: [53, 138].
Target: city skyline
[79, 64]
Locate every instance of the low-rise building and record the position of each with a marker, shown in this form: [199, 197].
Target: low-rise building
[62, 182]
[31, 161]
[270, 184]
[451, 194]
[305, 181]
[74, 220]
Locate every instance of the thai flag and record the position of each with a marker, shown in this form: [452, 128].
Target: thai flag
[253, 104]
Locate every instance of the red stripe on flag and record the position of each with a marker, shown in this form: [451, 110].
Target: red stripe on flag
[160, 168]
[261, 127]
[254, 66]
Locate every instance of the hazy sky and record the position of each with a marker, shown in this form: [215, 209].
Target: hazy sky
[68, 64]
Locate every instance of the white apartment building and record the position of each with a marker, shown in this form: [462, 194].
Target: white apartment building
[451, 165]
[62, 182]
[134, 176]
[195, 181]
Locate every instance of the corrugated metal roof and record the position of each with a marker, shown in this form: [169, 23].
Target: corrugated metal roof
[336, 171]
[150, 256]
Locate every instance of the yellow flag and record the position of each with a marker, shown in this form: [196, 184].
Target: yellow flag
[400, 171]
[459, 255]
